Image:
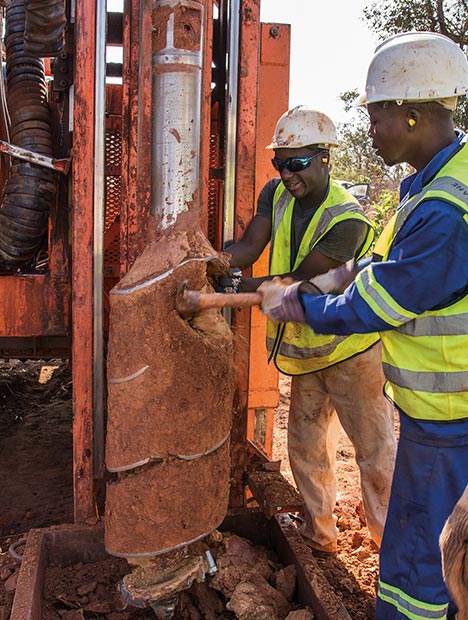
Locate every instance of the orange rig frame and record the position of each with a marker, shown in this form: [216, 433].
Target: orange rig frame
[97, 226]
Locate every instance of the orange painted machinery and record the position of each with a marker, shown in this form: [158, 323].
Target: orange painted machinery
[93, 95]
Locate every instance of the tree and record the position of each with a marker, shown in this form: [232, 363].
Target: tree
[448, 17]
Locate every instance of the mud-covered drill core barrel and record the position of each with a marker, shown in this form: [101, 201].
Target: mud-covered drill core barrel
[170, 385]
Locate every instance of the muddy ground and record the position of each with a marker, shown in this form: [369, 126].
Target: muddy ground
[36, 490]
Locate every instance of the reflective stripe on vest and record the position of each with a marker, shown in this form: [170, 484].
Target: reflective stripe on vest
[439, 188]
[296, 348]
[409, 606]
[425, 358]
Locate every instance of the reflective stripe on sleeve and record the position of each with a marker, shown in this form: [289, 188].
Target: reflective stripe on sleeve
[380, 301]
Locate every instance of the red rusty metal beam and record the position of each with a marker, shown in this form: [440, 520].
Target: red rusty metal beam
[273, 99]
[82, 259]
[205, 120]
[312, 585]
[136, 130]
[244, 209]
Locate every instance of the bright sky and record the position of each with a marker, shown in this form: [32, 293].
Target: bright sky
[331, 48]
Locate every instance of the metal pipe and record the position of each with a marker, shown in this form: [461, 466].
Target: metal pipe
[98, 246]
[177, 78]
[231, 113]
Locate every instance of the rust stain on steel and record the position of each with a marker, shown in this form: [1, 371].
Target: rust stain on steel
[244, 201]
[175, 133]
[136, 134]
[62, 165]
[160, 18]
[187, 26]
[172, 68]
[82, 257]
[274, 494]
[34, 305]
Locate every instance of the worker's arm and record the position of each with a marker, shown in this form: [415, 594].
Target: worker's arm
[341, 244]
[427, 267]
[314, 263]
[245, 252]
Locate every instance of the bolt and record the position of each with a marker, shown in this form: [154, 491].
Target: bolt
[212, 568]
[274, 32]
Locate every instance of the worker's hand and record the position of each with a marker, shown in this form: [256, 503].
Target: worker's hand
[230, 282]
[454, 548]
[335, 281]
[280, 301]
[218, 264]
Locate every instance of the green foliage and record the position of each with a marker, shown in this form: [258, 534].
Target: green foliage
[355, 160]
[448, 17]
[382, 209]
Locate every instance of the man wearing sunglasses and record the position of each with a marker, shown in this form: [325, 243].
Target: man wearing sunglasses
[313, 224]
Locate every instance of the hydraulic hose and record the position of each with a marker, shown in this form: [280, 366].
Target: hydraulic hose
[30, 189]
[45, 23]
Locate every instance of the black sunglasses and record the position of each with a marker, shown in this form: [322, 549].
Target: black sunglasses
[294, 164]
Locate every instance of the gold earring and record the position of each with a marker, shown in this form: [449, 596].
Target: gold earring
[324, 160]
[411, 122]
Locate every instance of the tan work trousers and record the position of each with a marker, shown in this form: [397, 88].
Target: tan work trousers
[350, 393]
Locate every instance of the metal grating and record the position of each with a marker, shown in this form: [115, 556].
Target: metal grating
[214, 193]
[113, 200]
[113, 181]
[113, 146]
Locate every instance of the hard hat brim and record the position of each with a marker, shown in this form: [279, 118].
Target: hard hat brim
[321, 145]
[361, 101]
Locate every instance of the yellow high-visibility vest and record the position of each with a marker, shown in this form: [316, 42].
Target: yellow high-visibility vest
[425, 358]
[295, 348]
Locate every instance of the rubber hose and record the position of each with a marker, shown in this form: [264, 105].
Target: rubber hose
[45, 24]
[30, 189]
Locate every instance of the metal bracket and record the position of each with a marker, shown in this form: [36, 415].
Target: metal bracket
[60, 165]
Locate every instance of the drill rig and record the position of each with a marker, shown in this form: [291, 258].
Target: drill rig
[110, 159]
[81, 149]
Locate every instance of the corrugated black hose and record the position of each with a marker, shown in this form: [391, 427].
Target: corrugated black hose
[30, 189]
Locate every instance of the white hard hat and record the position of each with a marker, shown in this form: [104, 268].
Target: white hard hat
[303, 126]
[416, 66]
